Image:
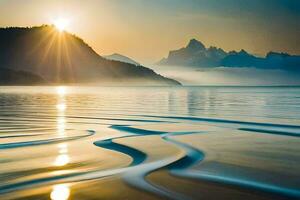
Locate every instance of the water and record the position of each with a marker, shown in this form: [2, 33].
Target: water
[149, 143]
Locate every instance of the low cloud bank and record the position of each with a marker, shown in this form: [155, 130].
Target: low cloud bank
[229, 76]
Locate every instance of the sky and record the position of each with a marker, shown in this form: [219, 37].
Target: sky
[146, 30]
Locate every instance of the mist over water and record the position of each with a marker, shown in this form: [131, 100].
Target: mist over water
[230, 76]
[149, 142]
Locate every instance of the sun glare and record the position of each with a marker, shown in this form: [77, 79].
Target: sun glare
[61, 90]
[60, 192]
[61, 24]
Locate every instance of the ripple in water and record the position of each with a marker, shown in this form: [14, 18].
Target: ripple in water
[152, 143]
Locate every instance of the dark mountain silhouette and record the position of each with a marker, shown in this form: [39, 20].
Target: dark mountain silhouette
[195, 54]
[241, 59]
[121, 58]
[60, 57]
[12, 77]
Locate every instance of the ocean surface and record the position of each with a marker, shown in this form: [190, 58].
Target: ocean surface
[64, 143]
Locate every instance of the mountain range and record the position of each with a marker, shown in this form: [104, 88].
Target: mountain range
[121, 58]
[195, 54]
[44, 54]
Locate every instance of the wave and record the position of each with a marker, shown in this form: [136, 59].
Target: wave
[137, 156]
[46, 141]
[179, 165]
[192, 156]
[274, 132]
[214, 120]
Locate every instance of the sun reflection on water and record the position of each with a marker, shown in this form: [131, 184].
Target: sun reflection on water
[61, 160]
[63, 157]
[63, 148]
[60, 192]
[61, 90]
[61, 106]
[61, 126]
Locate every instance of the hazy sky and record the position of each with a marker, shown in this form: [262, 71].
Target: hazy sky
[147, 29]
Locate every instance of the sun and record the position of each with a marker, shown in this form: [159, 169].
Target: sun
[61, 24]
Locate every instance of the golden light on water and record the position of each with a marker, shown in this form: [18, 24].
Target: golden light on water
[61, 107]
[61, 126]
[62, 157]
[60, 192]
[62, 160]
[61, 90]
[63, 148]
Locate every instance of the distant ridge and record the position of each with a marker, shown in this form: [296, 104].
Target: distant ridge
[121, 58]
[195, 54]
[63, 58]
